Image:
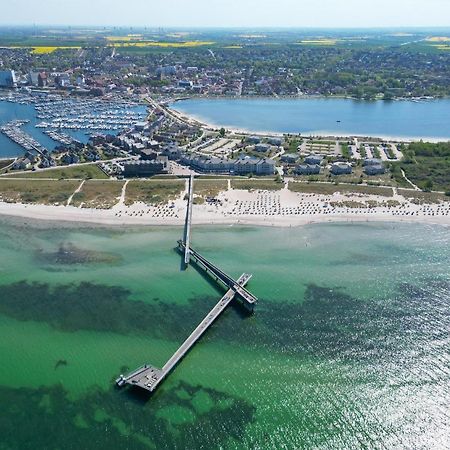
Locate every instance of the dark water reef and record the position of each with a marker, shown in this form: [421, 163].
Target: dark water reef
[97, 307]
[333, 324]
[184, 417]
[69, 254]
[328, 323]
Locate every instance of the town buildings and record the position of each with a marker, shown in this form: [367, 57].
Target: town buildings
[145, 168]
[8, 79]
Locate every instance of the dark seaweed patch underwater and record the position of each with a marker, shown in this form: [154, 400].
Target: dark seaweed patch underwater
[46, 418]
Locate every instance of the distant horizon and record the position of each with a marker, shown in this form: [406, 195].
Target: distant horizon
[257, 14]
[202, 27]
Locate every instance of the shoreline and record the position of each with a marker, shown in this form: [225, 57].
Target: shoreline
[69, 216]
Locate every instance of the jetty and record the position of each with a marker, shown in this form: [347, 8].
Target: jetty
[149, 377]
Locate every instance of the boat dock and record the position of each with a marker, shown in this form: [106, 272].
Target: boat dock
[149, 377]
[16, 134]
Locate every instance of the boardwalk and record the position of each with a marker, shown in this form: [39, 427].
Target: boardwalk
[149, 377]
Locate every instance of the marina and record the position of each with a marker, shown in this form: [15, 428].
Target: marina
[62, 138]
[70, 118]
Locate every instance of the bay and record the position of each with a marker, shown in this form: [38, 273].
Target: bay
[428, 119]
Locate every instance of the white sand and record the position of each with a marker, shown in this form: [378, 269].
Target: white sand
[260, 208]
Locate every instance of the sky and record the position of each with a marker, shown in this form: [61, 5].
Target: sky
[228, 13]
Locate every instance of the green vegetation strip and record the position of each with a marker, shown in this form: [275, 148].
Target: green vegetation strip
[99, 194]
[43, 192]
[423, 197]
[426, 165]
[256, 184]
[5, 163]
[153, 192]
[82, 172]
[328, 189]
[209, 188]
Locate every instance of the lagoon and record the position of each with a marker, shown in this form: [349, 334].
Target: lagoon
[428, 119]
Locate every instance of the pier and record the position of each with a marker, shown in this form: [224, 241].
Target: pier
[148, 377]
[220, 276]
[187, 230]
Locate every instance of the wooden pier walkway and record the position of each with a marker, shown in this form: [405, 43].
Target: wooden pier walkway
[149, 377]
[187, 228]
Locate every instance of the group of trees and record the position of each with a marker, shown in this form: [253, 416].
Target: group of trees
[427, 165]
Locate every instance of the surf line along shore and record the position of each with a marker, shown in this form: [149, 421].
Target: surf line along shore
[148, 377]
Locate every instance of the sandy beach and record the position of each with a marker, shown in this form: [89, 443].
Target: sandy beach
[238, 207]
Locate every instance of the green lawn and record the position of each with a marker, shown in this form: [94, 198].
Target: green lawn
[85, 171]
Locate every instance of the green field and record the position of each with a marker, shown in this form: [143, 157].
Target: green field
[426, 165]
[256, 184]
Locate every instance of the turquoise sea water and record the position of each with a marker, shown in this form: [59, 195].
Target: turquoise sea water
[348, 346]
[319, 116]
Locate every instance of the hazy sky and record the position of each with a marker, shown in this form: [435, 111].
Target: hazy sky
[237, 13]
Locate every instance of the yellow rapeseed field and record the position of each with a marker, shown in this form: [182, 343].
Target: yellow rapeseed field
[186, 44]
[44, 50]
[442, 47]
[128, 38]
[319, 42]
[438, 39]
